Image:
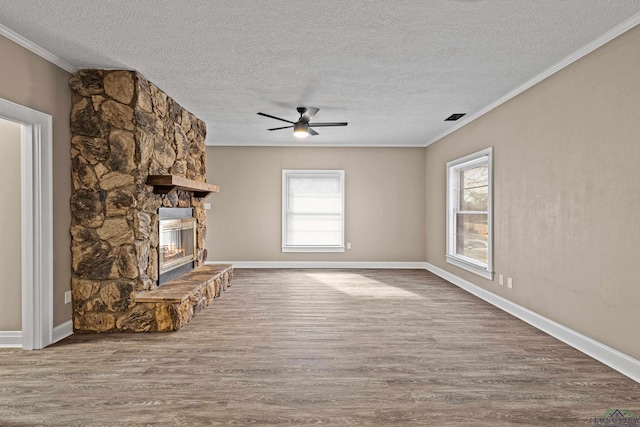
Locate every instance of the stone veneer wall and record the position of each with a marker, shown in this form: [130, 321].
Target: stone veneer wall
[123, 129]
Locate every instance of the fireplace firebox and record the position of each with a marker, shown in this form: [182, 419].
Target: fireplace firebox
[177, 243]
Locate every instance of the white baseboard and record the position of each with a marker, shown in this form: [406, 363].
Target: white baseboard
[622, 363]
[62, 331]
[10, 339]
[13, 339]
[322, 264]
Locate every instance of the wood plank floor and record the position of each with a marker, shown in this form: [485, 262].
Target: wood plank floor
[326, 347]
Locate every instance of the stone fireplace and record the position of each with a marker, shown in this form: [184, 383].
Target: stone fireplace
[135, 151]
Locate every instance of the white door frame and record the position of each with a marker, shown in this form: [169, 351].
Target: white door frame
[37, 222]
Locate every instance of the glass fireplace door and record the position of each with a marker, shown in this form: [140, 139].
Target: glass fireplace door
[177, 243]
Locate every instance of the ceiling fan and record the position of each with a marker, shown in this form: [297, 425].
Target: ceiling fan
[302, 128]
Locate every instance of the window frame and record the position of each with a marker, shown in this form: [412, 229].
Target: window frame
[286, 173]
[452, 203]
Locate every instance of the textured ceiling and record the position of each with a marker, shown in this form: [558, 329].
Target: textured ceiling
[393, 69]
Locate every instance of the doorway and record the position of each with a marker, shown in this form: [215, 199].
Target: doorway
[35, 227]
[10, 230]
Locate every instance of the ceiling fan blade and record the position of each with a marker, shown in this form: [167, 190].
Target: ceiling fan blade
[313, 132]
[328, 124]
[308, 114]
[283, 127]
[274, 117]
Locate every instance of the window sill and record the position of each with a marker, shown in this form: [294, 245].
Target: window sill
[313, 249]
[475, 269]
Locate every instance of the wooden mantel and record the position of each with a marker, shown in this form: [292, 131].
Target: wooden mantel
[165, 184]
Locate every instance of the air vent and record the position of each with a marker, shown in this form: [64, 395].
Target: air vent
[454, 117]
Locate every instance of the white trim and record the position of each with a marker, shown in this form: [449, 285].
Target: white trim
[62, 331]
[622, 363]
[312, 249]
[41, 52]
[37, 222]
[308, 144]
[470, 266]
[10, 339]
[453, 169]
[323, 264]
[580, 53]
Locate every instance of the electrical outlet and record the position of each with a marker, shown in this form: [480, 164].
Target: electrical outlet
[509, 283]
[67, 297]
[348, 245]
[501, 279]
[207, 206]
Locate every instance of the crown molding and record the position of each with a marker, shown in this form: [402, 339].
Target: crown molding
[289, 144]
[41, 52]
[580, 53]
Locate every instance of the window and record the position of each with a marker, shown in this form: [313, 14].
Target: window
[469, 219]
[312, 211]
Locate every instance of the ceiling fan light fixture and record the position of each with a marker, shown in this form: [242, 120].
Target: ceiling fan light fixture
[301, 130]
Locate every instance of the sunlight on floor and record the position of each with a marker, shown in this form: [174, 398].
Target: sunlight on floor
[358, 286]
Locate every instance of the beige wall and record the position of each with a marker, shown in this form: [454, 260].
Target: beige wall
[10, 286]
[565, 191]
[384, 212]
[29, 80]
[566, 197]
